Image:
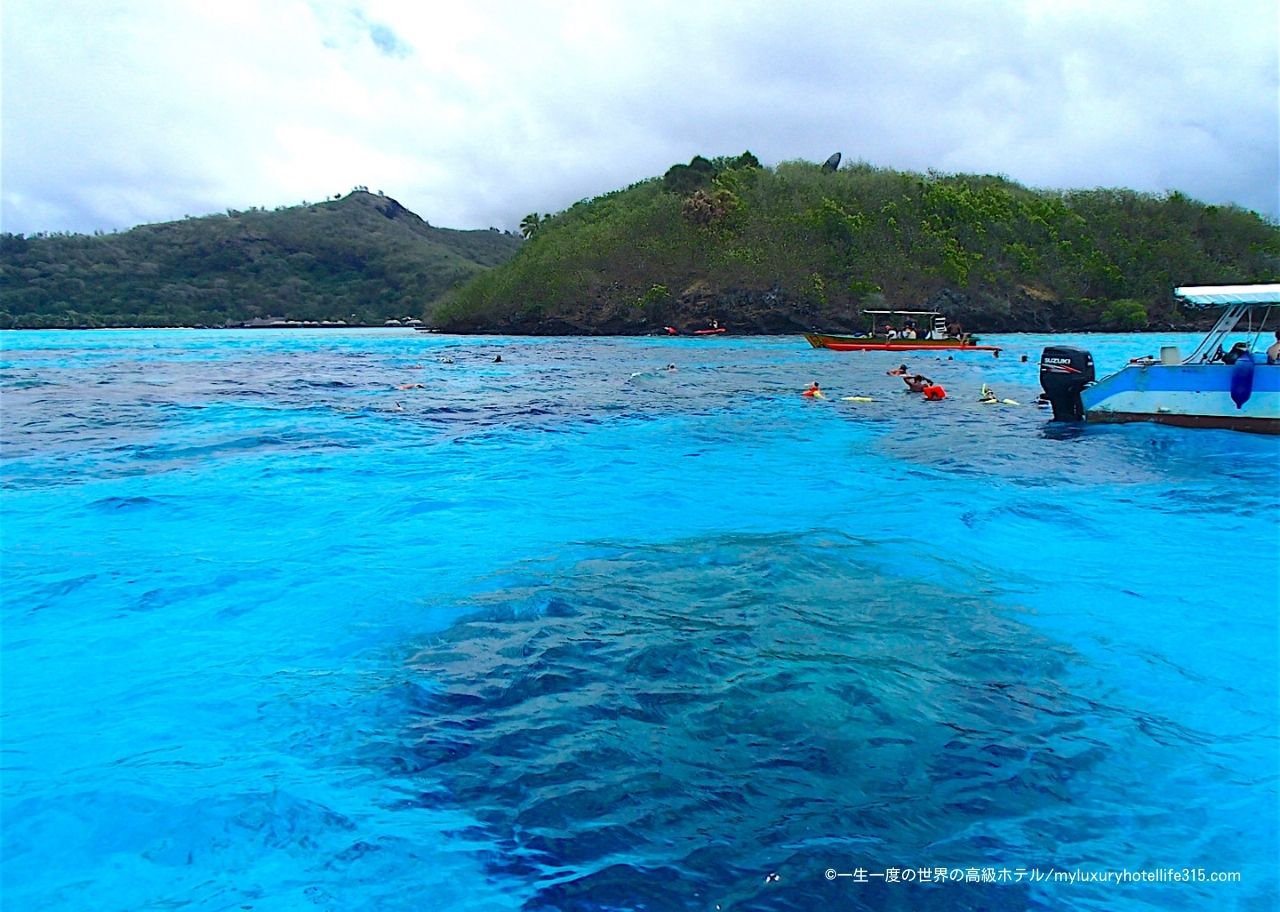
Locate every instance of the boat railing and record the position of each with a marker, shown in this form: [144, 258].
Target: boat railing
[1213, 339]
[1238, 300]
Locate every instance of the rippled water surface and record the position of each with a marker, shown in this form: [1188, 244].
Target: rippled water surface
[367, 621]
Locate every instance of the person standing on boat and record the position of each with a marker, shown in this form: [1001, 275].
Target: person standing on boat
[1273, 353]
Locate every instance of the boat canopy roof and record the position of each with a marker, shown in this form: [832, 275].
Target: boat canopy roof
[915, 313]
[1220, 295]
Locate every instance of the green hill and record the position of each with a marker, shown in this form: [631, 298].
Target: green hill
[361, 259]
[801, 246]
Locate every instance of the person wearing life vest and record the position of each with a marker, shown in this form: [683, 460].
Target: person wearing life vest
[814, 391]
[934, 392]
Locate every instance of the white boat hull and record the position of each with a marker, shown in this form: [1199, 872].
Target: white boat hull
[1187, 395]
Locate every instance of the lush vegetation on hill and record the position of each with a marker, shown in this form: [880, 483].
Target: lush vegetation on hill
[361, 259]
[800, 246]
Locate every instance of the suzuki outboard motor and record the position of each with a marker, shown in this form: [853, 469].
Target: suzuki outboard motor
[1064, 372]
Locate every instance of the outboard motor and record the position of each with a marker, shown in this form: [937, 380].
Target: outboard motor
[1064, 372]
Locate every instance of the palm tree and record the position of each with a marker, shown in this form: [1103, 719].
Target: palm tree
[530, 224]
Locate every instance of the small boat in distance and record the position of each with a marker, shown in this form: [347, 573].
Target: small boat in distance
[1236, 389]
[711, 330]
[931, 335]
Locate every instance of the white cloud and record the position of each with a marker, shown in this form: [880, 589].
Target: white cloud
[472, 115]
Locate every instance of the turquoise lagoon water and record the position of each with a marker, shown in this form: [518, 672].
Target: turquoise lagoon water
[574, 632]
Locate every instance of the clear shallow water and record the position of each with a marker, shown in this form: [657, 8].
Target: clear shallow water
[573, 632]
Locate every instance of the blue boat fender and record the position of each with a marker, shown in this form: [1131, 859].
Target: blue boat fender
[1242, 379]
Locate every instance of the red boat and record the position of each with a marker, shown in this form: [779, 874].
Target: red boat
[672, 331]
[933, 336]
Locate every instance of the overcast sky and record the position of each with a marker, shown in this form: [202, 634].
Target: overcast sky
[121, 112]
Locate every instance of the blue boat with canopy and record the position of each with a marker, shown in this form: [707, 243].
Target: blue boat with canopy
[1237, 388]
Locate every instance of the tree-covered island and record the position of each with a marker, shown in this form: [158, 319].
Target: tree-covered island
[802, 246]
[358, 259]
[795, 247]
